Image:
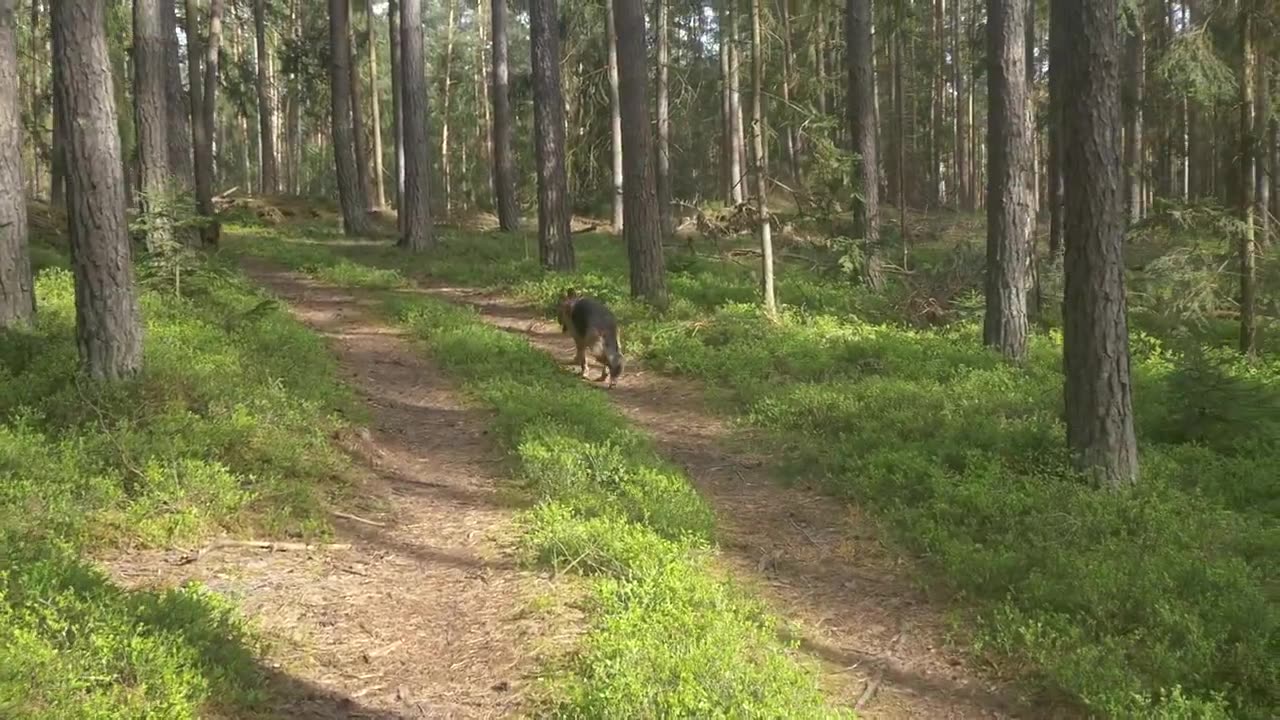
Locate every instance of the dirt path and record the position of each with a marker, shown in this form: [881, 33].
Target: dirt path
[815, 560]
[425, 616]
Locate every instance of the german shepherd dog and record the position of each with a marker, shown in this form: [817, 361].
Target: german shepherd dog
[595, 334]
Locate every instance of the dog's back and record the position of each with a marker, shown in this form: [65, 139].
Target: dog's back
[594, 330]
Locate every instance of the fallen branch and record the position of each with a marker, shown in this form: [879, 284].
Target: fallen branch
[262, 545]
[357, 518]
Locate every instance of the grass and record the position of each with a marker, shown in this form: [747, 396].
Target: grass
[1159, 602]
[227, 430]
[666, 638]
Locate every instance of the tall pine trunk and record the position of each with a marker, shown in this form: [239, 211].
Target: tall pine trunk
[555, 244]
[665, 221]
[640, 226]
[727, 156]
[1095, 336]
[17, 290]
[355, 218]
[375, 108]
[266, 119]
[1058, 59]
[862, 127]
[176, 101]
[504, 172]
[1133, 100]
[761, 164]
[964, 175]
[790, 141]
[360, 142]
[1010, 192]
[150, 95]
[108, 319]
[615, 115]
[446, 165]
[1248, 167]
[397, 105]
[419, 234]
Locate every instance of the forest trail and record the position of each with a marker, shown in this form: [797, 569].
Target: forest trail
[816, 562]
[425, 615]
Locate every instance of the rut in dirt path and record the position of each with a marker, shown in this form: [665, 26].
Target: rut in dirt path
[816, 561]
[425, 616]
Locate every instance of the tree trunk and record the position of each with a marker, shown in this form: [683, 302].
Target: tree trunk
[266, 122]
[862, 127]
[203, 97]
[1099, 406]
[900, 124]
[108, 319]
[397, 105]
[293, 122]
[739, 137]
[446, 166]
[1263, 154]
[555, 244]
[359, 139]
[1010, 210]
[761, 168]
[354, 208]
[1058, 59]
[17, 289]
[1133, 76]
[615, 115]
[375, 106]
[419, 233]
[665, 222]
[640, 226]
[484, 134]
[964, 176]
[150, 67]
[58, 142]
[790, 143]
[1248, 167]
[177, 102]
[727, 157]
[504, 173]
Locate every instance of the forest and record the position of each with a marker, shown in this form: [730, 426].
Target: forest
[939, 336]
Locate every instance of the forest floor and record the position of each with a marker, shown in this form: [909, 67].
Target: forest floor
[880, 641]
[426, 613]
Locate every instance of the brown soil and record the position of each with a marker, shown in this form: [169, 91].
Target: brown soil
[816, 561]
[426, 615]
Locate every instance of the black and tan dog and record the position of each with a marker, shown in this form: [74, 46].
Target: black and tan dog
[595, 334]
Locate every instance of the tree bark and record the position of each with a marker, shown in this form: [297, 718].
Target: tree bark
[504, 173]
[640, 226]
[790, 141]
[397, 105]
[150, 67]
[177, 102]
[665, 222]
[58, 141]
[17, 289]
[1058, 69]
[1248, 168]
[739, 138]
[1133, 77]
[108, 319]
[964, 176]
[761, 164]
[555, 244]
[1010, 210]
[375, 106]
[446, 165]
[203, 91]
[615, 115]
[1098, 388]
[727, 156]
[350, 189]
[1263, 153]
[862, 127]
[360, 142]
[419, 234]
[266, 121]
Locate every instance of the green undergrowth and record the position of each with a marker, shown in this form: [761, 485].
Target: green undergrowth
[666, 638]
[1155, 602]
[226, 430]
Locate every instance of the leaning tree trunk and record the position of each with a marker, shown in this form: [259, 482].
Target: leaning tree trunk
[862, 127]
[761, 165]
[375, 107]
[555, 244]
[1095, 336]
[17, 291]
[266, 131]
[615, 114]
[354, 216]
[640, 226]
[1010, 192]
[108, 319]
[416, 212]
[504, 172]
[150, 67]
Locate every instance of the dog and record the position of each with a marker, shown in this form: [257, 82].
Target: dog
[595, 334]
